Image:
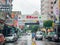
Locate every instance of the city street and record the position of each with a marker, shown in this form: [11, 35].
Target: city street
[30, 22]
[25, 41]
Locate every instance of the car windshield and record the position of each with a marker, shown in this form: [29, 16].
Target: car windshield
[39, 33]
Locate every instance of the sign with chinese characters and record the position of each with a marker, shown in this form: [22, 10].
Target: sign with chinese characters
[56, 9]
[28, 17]
[31, 17]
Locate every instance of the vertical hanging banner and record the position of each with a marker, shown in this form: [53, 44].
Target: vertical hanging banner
[56, 9]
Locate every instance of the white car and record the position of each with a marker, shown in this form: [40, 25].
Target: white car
[11, 37]
[39, 35]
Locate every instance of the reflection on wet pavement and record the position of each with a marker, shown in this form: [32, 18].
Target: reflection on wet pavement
[20, 42]
[37, 43]
[46, 43]
[29, 42]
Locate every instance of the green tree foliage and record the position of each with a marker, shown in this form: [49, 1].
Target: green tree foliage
[48, 23]
[34, 28]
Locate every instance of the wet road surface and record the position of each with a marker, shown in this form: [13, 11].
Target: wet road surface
[21, 41]
[46, 43]
[25, 41]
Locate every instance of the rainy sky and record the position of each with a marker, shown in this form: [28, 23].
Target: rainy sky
[26, 6]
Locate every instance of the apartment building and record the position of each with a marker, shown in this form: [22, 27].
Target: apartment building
[47, 8]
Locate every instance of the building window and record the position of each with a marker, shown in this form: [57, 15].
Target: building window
[55, 1]
[19, 18]
[51, 12]
[51, 16]
[51, 2]
[51, 7]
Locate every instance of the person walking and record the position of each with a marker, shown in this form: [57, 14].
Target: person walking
[33, 39]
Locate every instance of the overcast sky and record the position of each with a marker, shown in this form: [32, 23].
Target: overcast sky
[26, 6]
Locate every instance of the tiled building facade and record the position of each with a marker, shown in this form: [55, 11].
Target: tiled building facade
[47, 7]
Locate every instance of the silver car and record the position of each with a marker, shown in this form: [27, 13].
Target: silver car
[11, 37]
[39, 35]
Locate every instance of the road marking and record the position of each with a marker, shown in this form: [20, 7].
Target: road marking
[33, 43]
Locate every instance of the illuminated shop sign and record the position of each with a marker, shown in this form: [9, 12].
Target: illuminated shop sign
[32, 17]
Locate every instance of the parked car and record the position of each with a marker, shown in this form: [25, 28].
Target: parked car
[2, 39]
[11, 37]
[39, 35]
[55, 38]
[52, 36]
